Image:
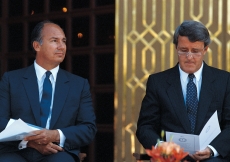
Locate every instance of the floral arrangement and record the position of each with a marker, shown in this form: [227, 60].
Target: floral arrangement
[166, 152]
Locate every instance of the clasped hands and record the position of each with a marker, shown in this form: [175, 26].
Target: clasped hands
[43, 141]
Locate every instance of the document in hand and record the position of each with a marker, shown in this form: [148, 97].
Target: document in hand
[17, 130]
[192, 143]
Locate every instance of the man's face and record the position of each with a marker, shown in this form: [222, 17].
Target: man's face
[53, 48]
[190, 63]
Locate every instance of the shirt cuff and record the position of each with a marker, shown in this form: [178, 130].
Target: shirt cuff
[62, 138]
[22, 145]
[214, 151]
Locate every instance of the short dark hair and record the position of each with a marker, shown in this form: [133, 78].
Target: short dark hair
[194, 30]
[36, 34]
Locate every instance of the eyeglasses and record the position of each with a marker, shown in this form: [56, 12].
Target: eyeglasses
[195, 54]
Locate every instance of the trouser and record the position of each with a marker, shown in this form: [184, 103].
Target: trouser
[12, 154]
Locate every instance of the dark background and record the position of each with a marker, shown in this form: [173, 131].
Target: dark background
[89, 28]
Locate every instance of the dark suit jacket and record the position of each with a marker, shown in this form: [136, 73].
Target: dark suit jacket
[163, 107]
[72, 110]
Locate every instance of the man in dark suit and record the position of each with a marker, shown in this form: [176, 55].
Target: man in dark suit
[167, 103]
[69, 119]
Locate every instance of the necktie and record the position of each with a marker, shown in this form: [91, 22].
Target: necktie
[191, 101]
[46, 99]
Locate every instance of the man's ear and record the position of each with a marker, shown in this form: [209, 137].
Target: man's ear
[205, 49]
[36, 46]
[176, 47]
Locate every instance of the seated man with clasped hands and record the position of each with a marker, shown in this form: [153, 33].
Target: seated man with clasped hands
[45, 95]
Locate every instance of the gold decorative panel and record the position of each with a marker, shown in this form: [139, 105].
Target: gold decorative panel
[144, 33]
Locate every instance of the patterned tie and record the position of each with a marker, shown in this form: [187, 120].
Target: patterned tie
[191, 101]
[46, 99]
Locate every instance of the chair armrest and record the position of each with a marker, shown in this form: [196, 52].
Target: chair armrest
[141, 156]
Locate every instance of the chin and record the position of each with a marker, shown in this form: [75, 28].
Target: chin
[59, 60]
[189, 70]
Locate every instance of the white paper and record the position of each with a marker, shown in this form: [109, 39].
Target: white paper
[188, 142]
[17, 130]
[209, 132]
[192, 143]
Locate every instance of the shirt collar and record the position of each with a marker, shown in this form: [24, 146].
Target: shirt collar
[40, 71]
[184, 75]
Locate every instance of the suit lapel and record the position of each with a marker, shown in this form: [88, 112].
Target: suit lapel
[31, 87]
[206, 94]
[175, 95]
[60, 95]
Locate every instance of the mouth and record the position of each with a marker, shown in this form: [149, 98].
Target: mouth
[190, 63]
[59, 54]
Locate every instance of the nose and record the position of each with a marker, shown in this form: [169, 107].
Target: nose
[189, 55]
[61, 45]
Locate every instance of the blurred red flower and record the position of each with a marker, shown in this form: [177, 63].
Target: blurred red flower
[166, 152]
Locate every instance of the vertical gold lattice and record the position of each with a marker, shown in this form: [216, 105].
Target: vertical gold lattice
[228, 40]
[144, 31]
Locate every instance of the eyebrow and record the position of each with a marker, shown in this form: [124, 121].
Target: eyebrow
[58, 38]
[188, 48]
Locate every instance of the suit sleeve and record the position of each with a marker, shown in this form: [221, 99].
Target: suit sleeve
[5, 113]
[148, 125]
[4, 101]
[220, 143]
[83, 132]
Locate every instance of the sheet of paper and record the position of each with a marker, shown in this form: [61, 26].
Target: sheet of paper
[188, 142]
[210, 131]
[34, 127]
[10, 122]
[16, 130]
[192, 143]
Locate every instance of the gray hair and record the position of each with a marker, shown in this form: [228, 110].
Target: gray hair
[194, 30]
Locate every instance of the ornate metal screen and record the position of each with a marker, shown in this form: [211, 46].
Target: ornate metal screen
[144, 31]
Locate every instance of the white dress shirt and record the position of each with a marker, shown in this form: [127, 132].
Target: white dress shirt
[197, 80]
[40, 73]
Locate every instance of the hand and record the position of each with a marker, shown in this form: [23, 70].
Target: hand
[189, 161]
[46, 149]
[44, 136]
[201, 155]
[194, 159]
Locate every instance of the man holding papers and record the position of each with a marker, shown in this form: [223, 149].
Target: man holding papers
[183, 99]
[47, 96]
